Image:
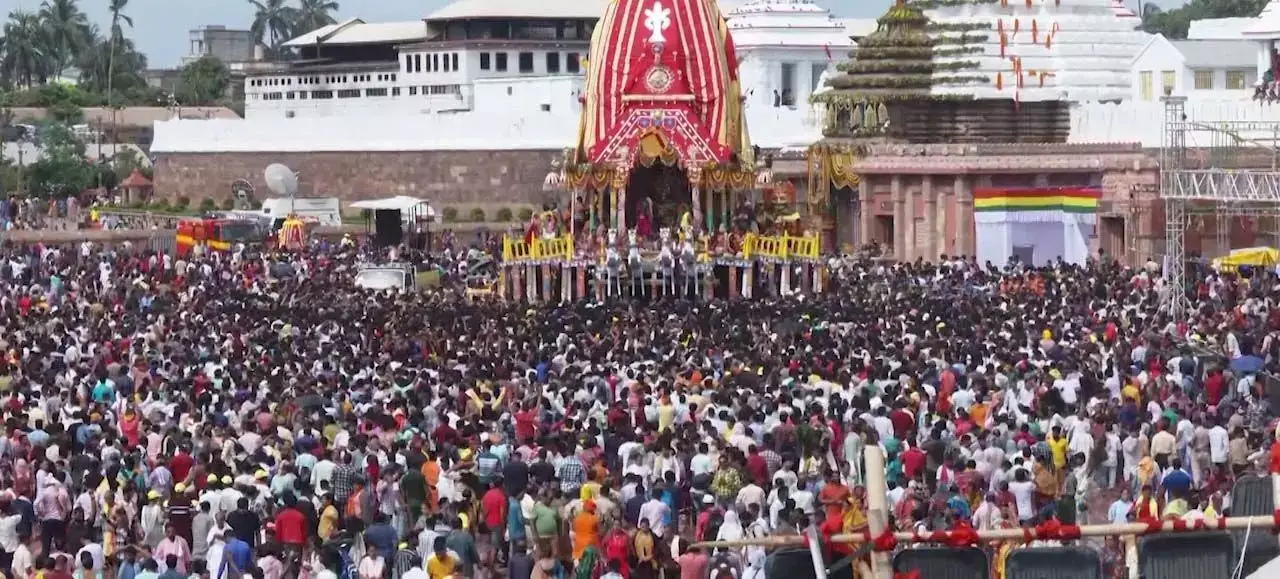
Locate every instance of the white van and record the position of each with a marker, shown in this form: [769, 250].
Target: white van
[326, 211]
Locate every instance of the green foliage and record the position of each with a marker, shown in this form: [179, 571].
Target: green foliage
[450, 214]
[182, 203]
[62, 170]
[208, 204]
[476, 215]
[525, 214]
[505, 214]
[1175, 23]
[203, 82]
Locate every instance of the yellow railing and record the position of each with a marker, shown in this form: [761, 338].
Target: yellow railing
[780, 247]
[517, 250]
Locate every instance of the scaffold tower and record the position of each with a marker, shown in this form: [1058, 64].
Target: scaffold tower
[1207, 181]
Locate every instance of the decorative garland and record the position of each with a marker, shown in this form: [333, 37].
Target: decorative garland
[887, 67]
[957, 26]
[934, 4]
[908, 81]
[836, 100]
[914, 38]
[889, 52]
[961, 40]
[959, 51]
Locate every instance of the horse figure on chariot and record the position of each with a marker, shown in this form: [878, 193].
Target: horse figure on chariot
[612, 265]
[635, 263]
[667, 262]
[688, 258]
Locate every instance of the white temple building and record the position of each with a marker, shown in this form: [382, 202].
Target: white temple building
[483, 74]
[1073, 50]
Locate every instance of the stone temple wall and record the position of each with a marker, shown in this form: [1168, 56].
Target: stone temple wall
[443, 177]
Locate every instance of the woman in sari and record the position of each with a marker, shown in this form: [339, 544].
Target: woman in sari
[589, 566]
[586, 530]
[617, 547]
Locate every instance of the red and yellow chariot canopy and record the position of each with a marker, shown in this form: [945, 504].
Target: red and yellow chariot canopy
[663, 76]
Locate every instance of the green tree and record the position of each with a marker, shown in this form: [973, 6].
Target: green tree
[203, 81]
[126, 160]
[26, 59]
[1175, 23]
[273, 20]
[314, 14]
[118, 18]
[67, 31]
[62, 169]
[114, 77]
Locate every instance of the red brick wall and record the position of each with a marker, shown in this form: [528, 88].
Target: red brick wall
[442, 177]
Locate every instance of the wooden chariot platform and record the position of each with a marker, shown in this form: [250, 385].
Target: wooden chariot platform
[551, 270]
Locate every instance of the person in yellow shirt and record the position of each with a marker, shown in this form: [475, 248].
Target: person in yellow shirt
[1058, 447]
[441, 563]
[329, 519]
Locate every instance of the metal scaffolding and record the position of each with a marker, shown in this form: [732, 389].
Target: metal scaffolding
[1203, 181]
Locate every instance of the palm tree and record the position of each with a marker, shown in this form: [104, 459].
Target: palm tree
[313, 14]
[26, 58]
[67, 30]
[273, 19]
[116, 7]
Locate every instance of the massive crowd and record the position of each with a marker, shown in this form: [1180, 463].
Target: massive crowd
[170, 418]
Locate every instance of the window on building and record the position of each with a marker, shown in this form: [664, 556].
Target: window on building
[349, 93]
[393, 78]
[1204, 79]
[395, 91]
[413, 91]
[408, 62]
[546, 107]
[526, 62]
[435, 63]
[500, 61]
[1168, 81]
[375, 92]
[553, 62]
[1144, 85]
[454, 60]
[289, 95]
[485, 61]
[417, 63]
[572, 63]
[273, 96]
[302, 95]
[1237, 79]
[787, 85]
[818, 69]
[321, 94]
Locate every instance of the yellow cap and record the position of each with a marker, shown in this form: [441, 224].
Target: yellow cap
[260, 475]
[212, 478]
[153, 495]
[180, 487]
[226, 480]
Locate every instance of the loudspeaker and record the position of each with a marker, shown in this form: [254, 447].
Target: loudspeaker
[386, 226]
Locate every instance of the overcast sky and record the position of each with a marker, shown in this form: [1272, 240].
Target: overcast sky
[160, 26]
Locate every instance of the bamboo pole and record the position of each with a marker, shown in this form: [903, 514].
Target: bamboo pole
[1124, 529]
[877, 505]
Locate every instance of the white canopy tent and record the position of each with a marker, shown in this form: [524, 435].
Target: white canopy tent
[410, 208]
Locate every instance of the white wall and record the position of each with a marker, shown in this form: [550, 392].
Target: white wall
[1158, 57]
[1142, 122]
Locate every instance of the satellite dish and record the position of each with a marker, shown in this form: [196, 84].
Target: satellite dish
[241, 189]
[281, 180]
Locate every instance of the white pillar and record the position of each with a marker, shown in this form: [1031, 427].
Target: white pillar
[531, 283]
[786, 279]
[877, 506]
[1264, 57]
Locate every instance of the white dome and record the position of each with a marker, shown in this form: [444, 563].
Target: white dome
[1075, 50]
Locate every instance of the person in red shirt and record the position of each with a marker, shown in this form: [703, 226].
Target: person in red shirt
[913, 460]
[494, 506]
[526, 424]
[757, 467]
[903, 421]
[1214, 387]
[291, 524]
[180, 465]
